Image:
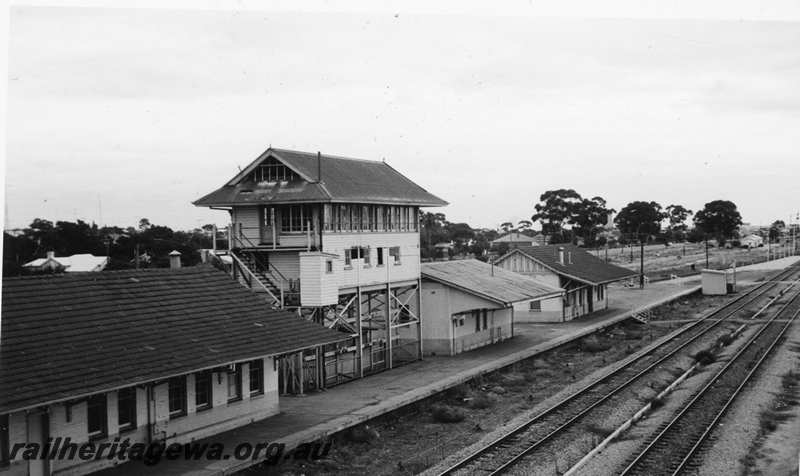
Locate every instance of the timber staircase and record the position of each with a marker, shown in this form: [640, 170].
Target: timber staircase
[644, 316]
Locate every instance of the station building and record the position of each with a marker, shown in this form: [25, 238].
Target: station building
[583, 276]
[336, 240]
[157, 355]
[468, 304]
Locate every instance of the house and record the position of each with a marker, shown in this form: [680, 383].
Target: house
[516, 239]
[70, 264]
[469, 303]
[157, 355]
[751, 241]
[337, 240]
[584, 276]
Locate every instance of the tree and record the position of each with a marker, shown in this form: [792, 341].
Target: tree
[677, 215]
[776, 229]
[432, 231]
[507, 227]
[556, 208]
[589, 217]
[144, 224]
[638, 219]
[719, 219]
[524, 225]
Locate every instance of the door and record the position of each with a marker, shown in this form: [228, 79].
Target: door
[269, 234]
[591, 291]
[38, 432]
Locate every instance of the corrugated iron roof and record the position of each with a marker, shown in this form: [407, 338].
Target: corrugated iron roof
[74, 263]
[478, 278]
[579, 264]
[68, 335]
[342, 180]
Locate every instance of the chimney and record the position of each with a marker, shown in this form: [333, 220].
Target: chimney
[174, 259]
[51, 254]
[561, 255]
[569, 257]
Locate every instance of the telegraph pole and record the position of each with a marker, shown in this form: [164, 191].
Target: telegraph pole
[707, 251]
[641, 262]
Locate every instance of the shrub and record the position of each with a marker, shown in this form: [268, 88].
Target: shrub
[447, 414]
[705, 357]
[593, 345]
[482, 401]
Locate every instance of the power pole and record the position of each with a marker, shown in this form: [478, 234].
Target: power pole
[641, 262]
[707, 252]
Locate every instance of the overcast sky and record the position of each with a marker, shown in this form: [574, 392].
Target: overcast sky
[118, 114]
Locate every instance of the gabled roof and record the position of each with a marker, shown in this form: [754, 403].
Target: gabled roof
[478, 278]
[342, 180]
[583, 266]
[74, 263]
[69, 335]
[515, 237]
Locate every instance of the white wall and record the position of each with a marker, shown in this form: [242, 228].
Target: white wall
[551, 311]
[360, 274]
[221, 417]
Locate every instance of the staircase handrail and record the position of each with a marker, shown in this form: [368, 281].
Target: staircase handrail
[269, 268]
[243, 266]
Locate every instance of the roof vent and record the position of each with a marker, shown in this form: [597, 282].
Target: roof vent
[561, 255]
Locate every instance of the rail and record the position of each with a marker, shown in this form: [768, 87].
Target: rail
[505, 442]
[653, 458]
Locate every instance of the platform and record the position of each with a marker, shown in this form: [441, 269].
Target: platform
[314, 416]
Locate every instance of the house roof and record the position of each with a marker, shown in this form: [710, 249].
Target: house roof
[583, 266]
[69, 335]
[478, 278]
[74, 263]
[515, 237]
[342, 180]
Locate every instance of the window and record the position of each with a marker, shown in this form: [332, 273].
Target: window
[235, 383]
[355, 218]
[96, 414]
[273, 171]
[366, 218]
[257, 377]
[580, 297]
[329, 218]
[394, 252]
[365, 255]
[348, 258]
[536, 306]
[4, 443]
[380, 256]
[329, 266]
[177, 396]
[344, 217]
[126, 408]
[202, 390]
[295, 218]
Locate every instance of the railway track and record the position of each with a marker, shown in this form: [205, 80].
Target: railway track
[500, 455]
[674, 448]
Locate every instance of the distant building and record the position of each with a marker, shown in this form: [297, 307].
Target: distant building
[516, 239]
[157, 355]
[752, 241]
[584, 276]
[70, 264]
[469, 304]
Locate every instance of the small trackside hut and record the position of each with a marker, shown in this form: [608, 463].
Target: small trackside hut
[584, 276]
[158, 355]
[469, 304]
[336, 240]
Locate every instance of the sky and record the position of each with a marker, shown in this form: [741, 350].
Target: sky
[117, 114]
